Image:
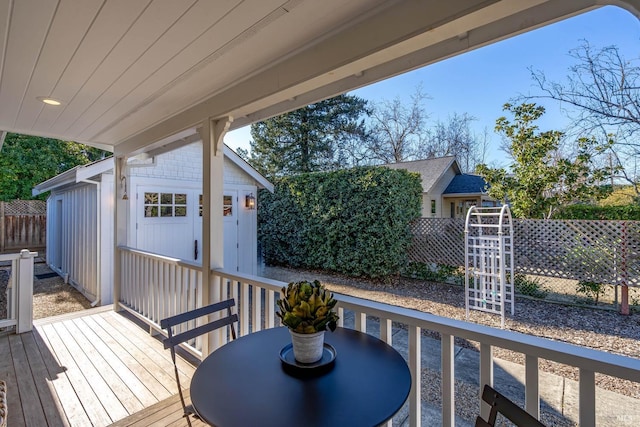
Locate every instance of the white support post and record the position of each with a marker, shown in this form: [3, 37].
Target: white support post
[212, 133]
[119, 226]
[25, 291]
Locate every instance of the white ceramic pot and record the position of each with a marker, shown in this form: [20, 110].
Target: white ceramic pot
[307, 348]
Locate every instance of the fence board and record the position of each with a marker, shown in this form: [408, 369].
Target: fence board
[596, 251]
[23, 225]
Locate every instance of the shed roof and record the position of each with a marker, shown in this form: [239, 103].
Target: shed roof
[466, 184]
[431, 170]
[84, 172]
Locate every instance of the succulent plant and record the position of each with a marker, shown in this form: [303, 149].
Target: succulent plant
[307, 307]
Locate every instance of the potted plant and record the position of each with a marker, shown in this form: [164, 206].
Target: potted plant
[307, 310]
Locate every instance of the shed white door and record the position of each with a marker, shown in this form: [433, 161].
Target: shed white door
[230, 214]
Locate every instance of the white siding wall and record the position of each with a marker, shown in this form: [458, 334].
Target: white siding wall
[77, 231]
[184, 164]
[435, 193]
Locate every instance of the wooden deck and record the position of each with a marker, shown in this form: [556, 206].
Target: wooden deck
[91, 368]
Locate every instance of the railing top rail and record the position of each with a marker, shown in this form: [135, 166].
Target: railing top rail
[263, 282]
[9, 257]
[163, 258]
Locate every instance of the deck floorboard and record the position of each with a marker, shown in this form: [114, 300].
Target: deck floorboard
[92, 368]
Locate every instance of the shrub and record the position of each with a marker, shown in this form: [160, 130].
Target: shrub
[527, 286]
[352, 221]
[434, 272]
[592, 290]
[621, 213]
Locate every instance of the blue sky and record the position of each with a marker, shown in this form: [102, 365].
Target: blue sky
[481, 81]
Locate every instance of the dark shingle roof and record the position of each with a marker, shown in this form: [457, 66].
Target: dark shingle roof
[466, 184]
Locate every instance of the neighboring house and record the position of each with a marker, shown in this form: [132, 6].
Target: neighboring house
[447, 192]
[165, 210]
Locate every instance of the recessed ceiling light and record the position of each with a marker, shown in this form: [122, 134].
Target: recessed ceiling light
[48, 100]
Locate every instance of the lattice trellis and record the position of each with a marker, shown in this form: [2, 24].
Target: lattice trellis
[25, 207]
[598, 251]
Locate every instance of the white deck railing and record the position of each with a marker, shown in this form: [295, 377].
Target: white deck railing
[256, 298]
[19, 293]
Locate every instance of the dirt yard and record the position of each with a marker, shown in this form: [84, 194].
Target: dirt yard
[51, 296]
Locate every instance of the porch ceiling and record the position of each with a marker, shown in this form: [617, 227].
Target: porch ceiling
[131, 73]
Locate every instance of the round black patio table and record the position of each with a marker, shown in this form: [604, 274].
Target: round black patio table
[244, 383]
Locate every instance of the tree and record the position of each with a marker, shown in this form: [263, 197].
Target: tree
[603, 93]
[314, 138]
[542, 178]
[26, 161]
[455, 138]
[398, 131]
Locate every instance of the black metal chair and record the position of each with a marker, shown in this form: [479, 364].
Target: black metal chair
[502, 405]
[183, 336]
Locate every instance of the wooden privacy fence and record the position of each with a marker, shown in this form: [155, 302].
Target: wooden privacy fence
[594, 251]
[23, 225]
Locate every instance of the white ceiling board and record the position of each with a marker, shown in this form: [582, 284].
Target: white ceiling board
[174, 57]
[113, 21]
[69, 26]
[141, 37]
[27, 29]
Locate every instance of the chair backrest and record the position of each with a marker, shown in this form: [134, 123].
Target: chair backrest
[3, 404]
[173, 340]
[502, 405]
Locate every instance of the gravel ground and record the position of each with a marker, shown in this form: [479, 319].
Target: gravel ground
[51, 296]
[599, 329]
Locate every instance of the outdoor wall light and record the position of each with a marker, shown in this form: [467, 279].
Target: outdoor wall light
[250, 201]
[123, 184]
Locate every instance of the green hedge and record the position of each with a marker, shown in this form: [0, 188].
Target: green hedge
[620, 213]
[352, 221]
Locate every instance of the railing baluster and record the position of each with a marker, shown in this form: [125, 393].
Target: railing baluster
[386, 331]
[270, 309]
[486, 375]
[587, 398]
[244, 310]
[448, 374]
[531, 386]
[256, 319]
[341, 316]
[415, 354]
[360, 321]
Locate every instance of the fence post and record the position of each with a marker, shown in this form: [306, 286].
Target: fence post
[24, 313]
[624, 295]
[2, 231]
